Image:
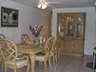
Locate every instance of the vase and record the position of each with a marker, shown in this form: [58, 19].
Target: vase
[36, 40]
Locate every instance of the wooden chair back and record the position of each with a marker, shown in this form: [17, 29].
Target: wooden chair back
[57, 46]
[2, 36]
[48, 45]
[9, 50]
[9, 55]
[57, 43]
[24, 38]
[47, 36]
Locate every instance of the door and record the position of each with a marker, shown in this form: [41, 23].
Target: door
[79, 34]
[60, 31]
[69, 34]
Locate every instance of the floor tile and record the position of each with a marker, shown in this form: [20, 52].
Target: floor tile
[66, 63]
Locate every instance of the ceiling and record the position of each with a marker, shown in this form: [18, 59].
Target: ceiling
[63, 3]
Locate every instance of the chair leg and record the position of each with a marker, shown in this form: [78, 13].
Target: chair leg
[50, 62]
[59, 53]
[12, 70]
[53, 59]
[2, 64]
[45, 66]
[2, 68]
[56, 57]
[5, 69]
[15, 70]
[28, 67]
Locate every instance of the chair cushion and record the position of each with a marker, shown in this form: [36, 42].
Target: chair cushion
[20, 54]
[18, 62]
[40, 55]
[43, 51]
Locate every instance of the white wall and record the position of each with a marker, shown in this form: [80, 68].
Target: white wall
[95, 25]
[90, 25]
[27, 15]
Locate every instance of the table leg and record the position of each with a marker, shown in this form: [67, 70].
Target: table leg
[32, 57]
[94, 59]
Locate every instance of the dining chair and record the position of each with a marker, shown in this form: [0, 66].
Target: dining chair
[58, 46]
[47, 36]
[55, 49]
[1, 37]
[43, 57]
[9, 55]
[24, 38]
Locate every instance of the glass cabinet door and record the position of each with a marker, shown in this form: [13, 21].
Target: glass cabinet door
[79, 27]
[69, 26]
[61, 26]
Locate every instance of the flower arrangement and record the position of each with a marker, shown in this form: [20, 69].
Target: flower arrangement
[35, 30]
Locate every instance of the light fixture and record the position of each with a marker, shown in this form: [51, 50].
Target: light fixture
[42, 5]
[39, 5]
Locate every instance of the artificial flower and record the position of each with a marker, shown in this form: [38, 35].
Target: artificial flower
[35, 30]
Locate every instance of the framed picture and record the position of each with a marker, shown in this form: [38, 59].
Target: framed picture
[9, 17]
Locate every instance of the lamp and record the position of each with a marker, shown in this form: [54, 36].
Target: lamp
[42, 5]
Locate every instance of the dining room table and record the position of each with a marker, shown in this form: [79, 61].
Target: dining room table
[31, 50]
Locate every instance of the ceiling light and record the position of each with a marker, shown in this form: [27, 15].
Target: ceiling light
[39, 5]
[42, 5]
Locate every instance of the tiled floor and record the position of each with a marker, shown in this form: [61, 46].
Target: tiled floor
[65, 64]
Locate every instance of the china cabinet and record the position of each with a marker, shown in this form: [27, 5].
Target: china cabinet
[71, 28]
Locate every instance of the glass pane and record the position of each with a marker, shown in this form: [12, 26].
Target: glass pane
[69, 26]
[61, 26]
[79, 27]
